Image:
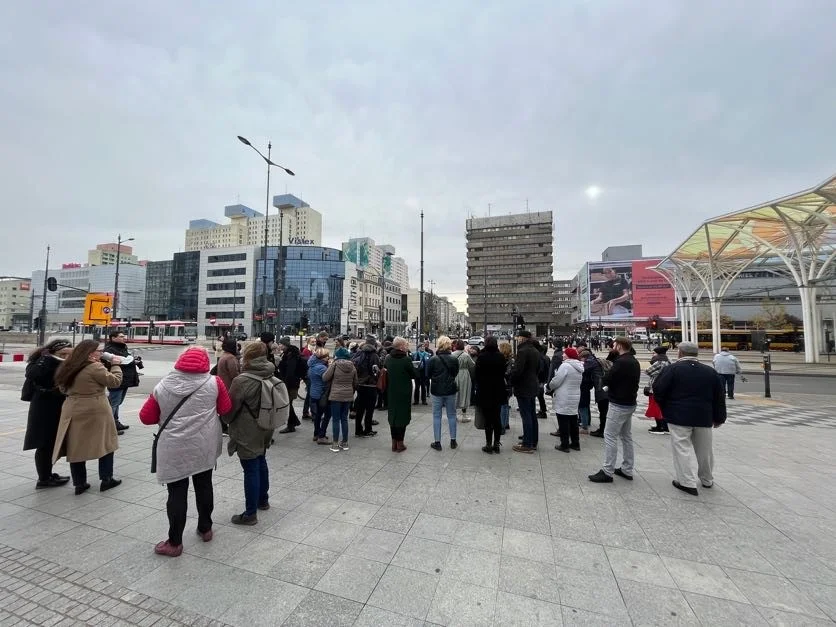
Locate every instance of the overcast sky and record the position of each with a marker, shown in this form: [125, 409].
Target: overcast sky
[122, 117]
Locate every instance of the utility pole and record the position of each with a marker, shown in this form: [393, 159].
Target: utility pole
[485, 304]
[266, 230]
[432, 305]
[42, 315]
[421, 289]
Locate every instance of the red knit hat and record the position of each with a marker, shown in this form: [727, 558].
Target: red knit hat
[570, 353]
[193, 359]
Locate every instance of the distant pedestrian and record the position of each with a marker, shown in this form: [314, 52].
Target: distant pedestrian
[292, 370]
[622, 382]
[442, 370]
[228, 365]
[343, 378]
[489, 379]
[727, 366]
[464, 378]
[505, 409]
[320, 405]
[657, 363]
[566, 392]
[87, 430]
[187, 403]
[524, 380]
[45, 402]
[401, 373]
[691, 397]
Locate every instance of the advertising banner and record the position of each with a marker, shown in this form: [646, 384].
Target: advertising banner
[629, 290]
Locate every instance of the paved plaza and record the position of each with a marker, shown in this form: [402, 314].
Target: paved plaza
[371, 537]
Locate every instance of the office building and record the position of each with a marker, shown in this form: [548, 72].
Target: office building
[563, 303]
[15, 303]
[300, 226]
[510, 264]
[171, 287]
[105, 255]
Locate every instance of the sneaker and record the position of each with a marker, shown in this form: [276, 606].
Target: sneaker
[343, 445]
[597, 433]
[623, 474]
[206, 536]
[519, 448]
[600, 477]
[369, 434]
[288, 430]
[465, 419]
[575, 447]
[244, 519]
[657, 431]
[168, 549]
[335, 447]
[436, 446]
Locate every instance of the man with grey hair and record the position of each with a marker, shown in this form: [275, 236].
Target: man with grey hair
[691, 397]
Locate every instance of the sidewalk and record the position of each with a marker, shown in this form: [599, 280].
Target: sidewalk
[371, 537]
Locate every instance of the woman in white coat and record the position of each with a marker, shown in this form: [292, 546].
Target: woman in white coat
[464, 379]
[566, 389]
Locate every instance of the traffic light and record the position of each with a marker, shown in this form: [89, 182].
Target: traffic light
[36, 324]
[52, 284]
[654, 324]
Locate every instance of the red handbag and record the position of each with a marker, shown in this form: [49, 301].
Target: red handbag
[383, 380]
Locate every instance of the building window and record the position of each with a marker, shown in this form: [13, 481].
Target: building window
[226, 272]
[216, 287]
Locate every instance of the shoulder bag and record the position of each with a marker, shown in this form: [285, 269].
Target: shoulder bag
[165, 424]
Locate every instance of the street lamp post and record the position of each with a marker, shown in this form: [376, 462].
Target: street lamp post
[269, 163]
[119, 241]
[42, 315]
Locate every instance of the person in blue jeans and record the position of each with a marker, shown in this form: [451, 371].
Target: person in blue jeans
[442, 370]
[342, 374]
[246, 438]
[320, 408]
[526, 384]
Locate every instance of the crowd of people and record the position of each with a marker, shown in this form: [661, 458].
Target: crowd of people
[248, 397]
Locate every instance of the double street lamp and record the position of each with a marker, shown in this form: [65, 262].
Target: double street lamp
[270, 164]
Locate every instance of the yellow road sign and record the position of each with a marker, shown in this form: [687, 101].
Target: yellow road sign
[98, 309]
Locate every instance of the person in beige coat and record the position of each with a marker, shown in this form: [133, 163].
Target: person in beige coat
[87, 430]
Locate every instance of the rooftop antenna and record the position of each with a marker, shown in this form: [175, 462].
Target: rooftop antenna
[489, 210]
[526, 205]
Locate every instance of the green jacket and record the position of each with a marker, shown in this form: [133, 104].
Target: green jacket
[245, 436]
[400, 372]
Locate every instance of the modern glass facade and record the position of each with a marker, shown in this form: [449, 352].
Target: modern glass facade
[158, 289]
[185, 279]
[314, 279]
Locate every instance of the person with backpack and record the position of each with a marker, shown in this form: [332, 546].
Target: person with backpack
[420, 358]
[292, 369]
[367, 363]
[259, 401]
[342, 376]
[186, 404]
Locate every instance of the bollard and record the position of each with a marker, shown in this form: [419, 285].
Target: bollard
[767, 366]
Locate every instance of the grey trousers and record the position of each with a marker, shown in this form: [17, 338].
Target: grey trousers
[683, 441]
[619, 424]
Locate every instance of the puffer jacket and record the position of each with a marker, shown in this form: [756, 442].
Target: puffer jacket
[442, 371]
[343, 377]
[191, 441]
[245, 436]
[566, 385]
[316, 368]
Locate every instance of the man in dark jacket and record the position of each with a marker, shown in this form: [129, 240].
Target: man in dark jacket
[117, 345]
[525, 382]
[622, 382]
[292, 369]
[367, 362]
[542, 379]
[690, 395]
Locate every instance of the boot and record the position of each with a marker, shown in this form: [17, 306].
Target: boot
[394, 445]
[401, 447]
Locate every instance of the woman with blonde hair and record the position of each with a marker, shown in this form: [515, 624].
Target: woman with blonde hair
[87, 430]
[442, 370]
[320, 409]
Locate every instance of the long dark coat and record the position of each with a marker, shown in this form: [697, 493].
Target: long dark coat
[401, 373]
[489, 377]
[45, 406]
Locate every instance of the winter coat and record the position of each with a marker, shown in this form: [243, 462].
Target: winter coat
[245, 436]
[442, 371]
[657, 363]
[46, 403]
[566, 385]
[726, 363]
[130, 376]
[316, 368]
[526, 367]
[343, 377]
[489, 378]
[87, 430]
[464, 379]
[289, 367]
[590, 366]
[367, 363]
[228, 368]
[191, 441]
[423, 358]
[690, 394]
[623, 380]
[400, 373]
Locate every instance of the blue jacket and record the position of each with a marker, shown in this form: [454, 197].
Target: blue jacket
[316, 368]
[424, 358]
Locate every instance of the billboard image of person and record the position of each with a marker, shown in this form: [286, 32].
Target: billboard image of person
[610, 290]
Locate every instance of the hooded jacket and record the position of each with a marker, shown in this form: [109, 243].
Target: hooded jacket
[245, 436]
[367, 363]
[343, 377]
[316, 368]
[566, 385]
[191, 441]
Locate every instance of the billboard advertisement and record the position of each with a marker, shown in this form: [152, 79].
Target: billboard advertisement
[629, 290]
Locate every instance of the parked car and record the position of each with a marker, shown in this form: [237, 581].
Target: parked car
[477, 340]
